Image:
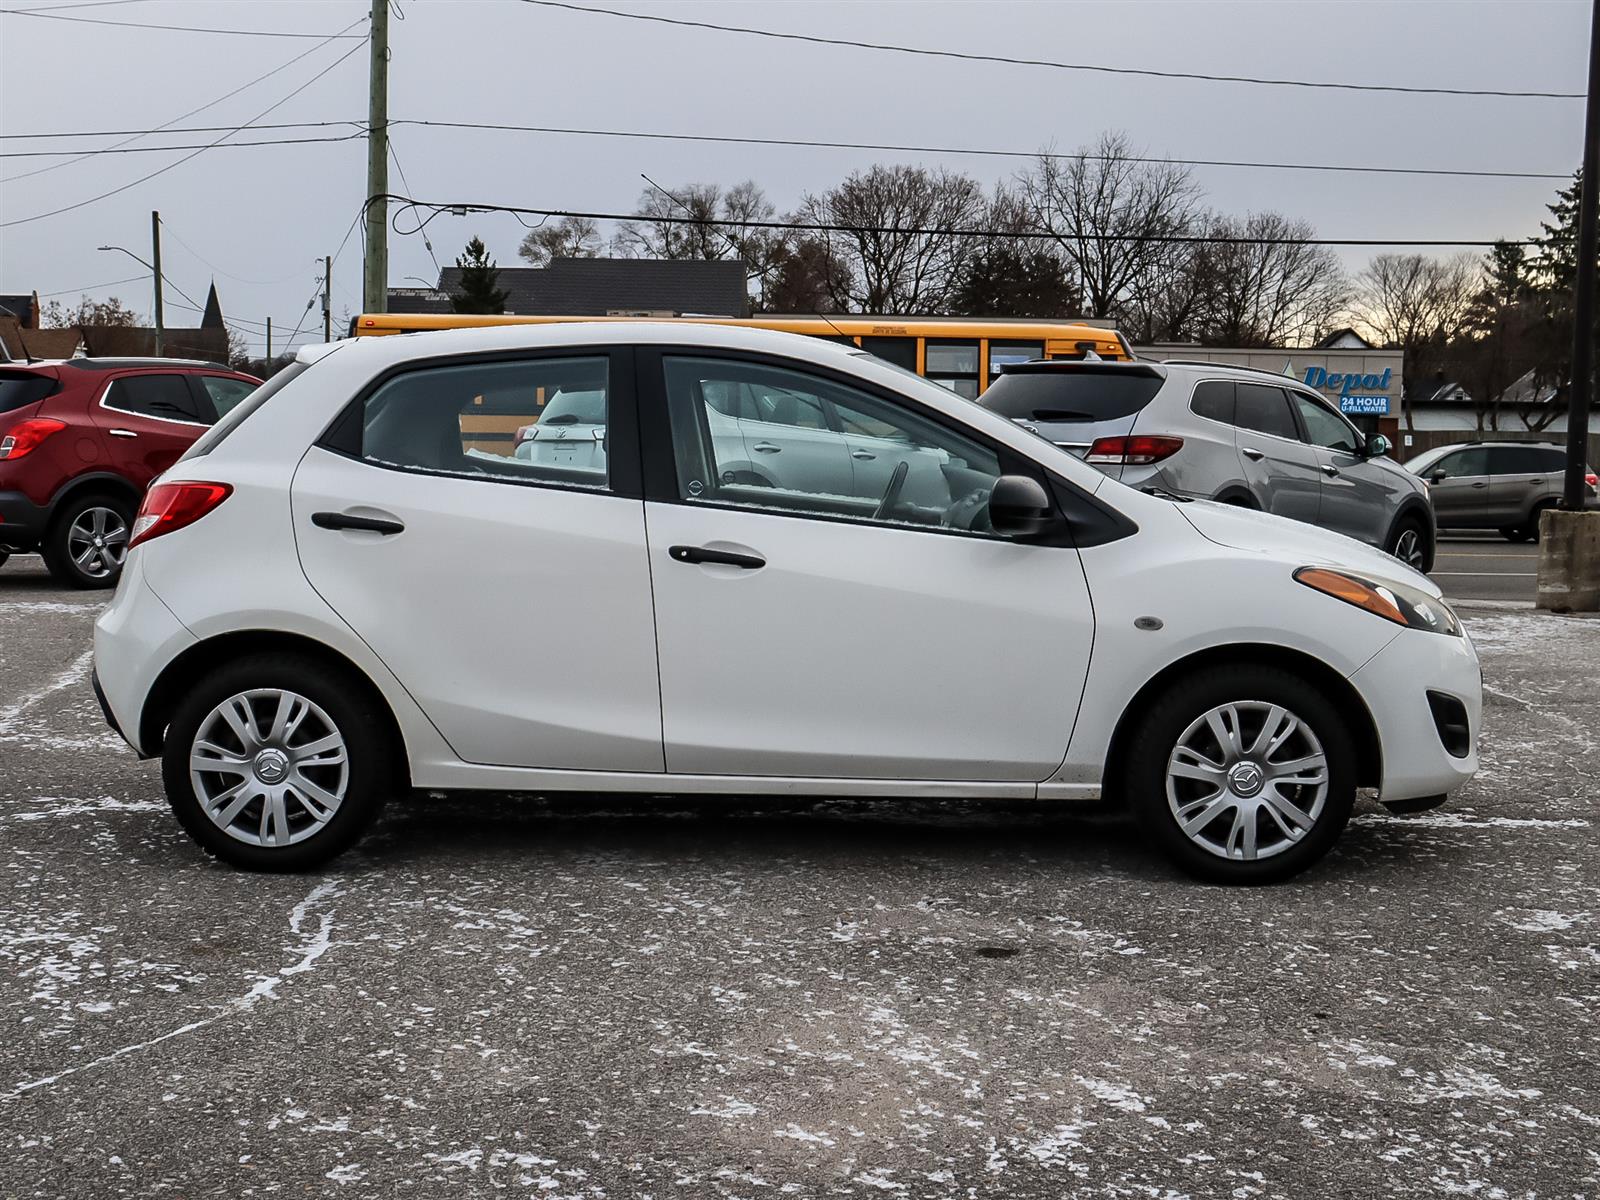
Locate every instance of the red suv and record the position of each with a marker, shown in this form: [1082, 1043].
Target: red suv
[81, 439]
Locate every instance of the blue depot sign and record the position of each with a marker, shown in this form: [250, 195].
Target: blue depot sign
[1354, 389]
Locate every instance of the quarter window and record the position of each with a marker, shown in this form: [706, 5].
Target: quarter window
[1266, 410]
[1213, 400]
[1325, 429]
[540, 421]
[874, 460]
[224, 393]
[164, 397]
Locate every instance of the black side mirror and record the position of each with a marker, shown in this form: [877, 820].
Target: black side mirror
[1020, 507]
[1438, 477]
[1377, 446]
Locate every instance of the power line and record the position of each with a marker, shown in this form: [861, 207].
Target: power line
[186, 157]
[38, 8]
[436, 209]
[168, 231]
[51, 16]
[966, 56]
[1027, 154]
[91, 287]
[167, 128]
[394, 154]
[193, 111]
[302, 141]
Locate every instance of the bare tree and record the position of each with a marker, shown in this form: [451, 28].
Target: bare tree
[903, 234]
[704, 221]
[1419, 304]
[570, 237]
[1103, 208]
[1265, 284]
[88, 312]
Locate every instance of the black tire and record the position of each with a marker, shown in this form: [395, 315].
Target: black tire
[1144, 771]
[353, 710]
[1514, 533]
[54, 548]
[4, 554]
[1528, 531]
[1417, 528]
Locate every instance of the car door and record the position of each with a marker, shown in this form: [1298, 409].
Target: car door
[1358, 495]
[1458, 486]
[1519, 477]
[511, 598]
[147, 420]
[872, 635]
[1282, 470]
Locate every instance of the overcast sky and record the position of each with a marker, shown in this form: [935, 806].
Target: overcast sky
[257, 220]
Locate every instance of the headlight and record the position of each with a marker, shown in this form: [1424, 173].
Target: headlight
[1392, 601]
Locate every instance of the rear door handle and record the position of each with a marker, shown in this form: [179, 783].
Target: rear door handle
[333, 520]
[123, 433]
[726, 558]
[1252, 453]
[1535, 482]
[1330, 470]
[766, 448]
[1482, 483]
[864, 455]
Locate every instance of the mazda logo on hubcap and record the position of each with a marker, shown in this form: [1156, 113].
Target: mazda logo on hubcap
[1246, 779]
[272, 766]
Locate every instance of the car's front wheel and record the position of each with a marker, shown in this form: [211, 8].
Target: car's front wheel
[1244, 774]
[1409, 542]
[278, 762]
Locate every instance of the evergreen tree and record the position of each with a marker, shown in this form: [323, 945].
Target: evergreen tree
[477, 292]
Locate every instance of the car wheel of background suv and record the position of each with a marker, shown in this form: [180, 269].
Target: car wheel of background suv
[278, 762]
[1243, 774]
[87, 540]
[1528, 531]
[1409, 542]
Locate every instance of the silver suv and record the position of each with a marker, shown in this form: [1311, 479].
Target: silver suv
[1224, 433]
[1497, 485]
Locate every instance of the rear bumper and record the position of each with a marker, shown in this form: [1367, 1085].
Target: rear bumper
[135, 639]
[22, 522]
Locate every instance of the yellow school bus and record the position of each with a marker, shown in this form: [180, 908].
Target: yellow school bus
[961, 353]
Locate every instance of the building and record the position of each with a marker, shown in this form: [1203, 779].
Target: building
[23, 341]
[600, 287]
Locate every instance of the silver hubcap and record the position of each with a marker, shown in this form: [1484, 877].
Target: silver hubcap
[269, 767]
[1408, 548]
[98, 542]
[1247, 780]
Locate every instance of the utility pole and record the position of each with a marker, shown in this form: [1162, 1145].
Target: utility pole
[155, 242]
[327, 298]
[269, 339]
[375, 282]
[1569, 537]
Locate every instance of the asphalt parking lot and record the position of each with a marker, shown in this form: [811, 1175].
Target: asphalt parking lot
[664, 999]
[1471, 566]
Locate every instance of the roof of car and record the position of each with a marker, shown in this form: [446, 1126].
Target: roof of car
[124, 364]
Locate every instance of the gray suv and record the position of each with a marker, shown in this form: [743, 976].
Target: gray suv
[1232, 434]
[1496, 485]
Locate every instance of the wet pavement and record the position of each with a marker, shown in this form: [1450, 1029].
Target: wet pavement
[658, 998]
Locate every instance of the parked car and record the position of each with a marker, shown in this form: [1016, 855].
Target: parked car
[1497, 485]
[339, 594]
[1240, 436]
[81, 439]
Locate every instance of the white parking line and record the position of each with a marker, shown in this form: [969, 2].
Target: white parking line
[1486, 574]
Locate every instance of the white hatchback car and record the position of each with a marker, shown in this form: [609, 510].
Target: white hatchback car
[330, 600]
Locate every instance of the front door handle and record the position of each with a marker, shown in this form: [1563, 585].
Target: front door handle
[333, 520]
[1535, 482]
[122, 433]
[766, 448]
[863, 455]
[725, 558]
[1330, 470]
[1252, 453]
[1482, 483]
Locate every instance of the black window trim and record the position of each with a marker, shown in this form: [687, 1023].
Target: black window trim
[341, 435]
[1086, 514]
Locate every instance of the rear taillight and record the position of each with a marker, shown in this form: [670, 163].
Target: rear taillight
[171, 506]
[25, 435]
[1592, 479]
[1139, 450]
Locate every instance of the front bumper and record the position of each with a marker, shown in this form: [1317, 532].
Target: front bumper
[1395, 685]
[22, 522]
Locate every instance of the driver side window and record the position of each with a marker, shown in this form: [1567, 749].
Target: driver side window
[859, 456]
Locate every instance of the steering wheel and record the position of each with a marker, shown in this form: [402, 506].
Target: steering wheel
[891, 494]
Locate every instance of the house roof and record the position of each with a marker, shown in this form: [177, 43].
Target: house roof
[1343, 338]
[21, 343]
[595, 287]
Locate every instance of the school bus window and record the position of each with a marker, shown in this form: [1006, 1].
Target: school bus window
[901, 351]
[954, 365]
[1003, 353]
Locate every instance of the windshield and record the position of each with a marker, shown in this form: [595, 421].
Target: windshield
[575, 408]
[1069, 395]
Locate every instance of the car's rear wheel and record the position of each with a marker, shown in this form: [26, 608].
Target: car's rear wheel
[4, 554]
[1244, 774]
[88, 540]
[1409, 542]
[1528, 531]
[278, 762]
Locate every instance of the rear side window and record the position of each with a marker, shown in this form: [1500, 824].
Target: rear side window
[1463, 463]
[1266, 410]
[18, 389]
[1070, 395]
[162, 397]
[223, 393]
[1525, 460]
[1213, 400]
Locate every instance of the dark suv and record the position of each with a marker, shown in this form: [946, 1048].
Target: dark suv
[81, 439]
[1497, 485]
